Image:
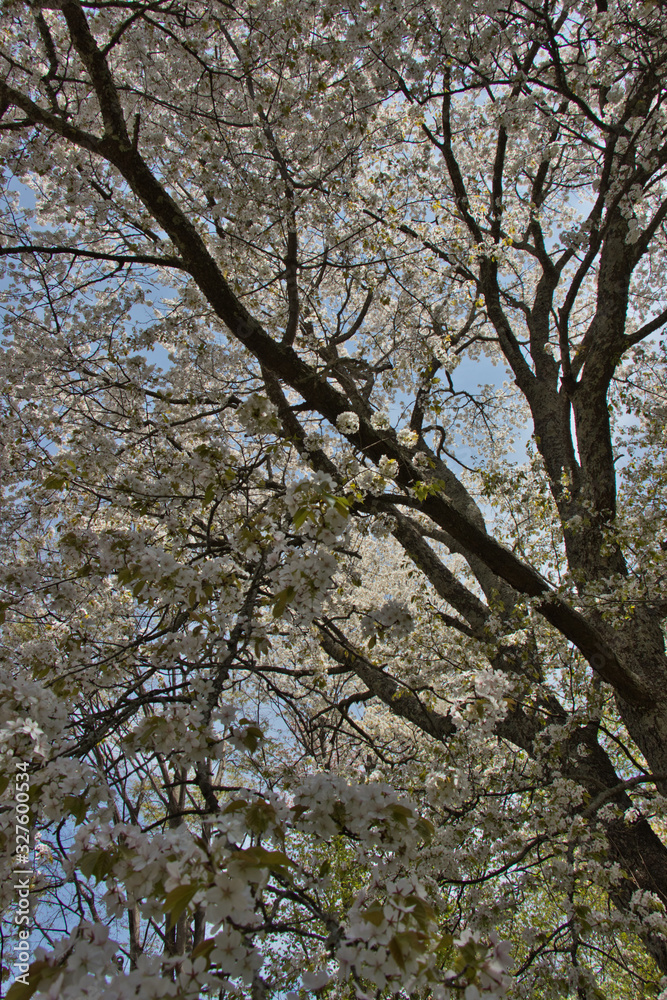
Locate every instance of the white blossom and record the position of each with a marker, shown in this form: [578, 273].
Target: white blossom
[380, 421]
[388, 467]
[421, 461]
[347, 423]
[407, 438]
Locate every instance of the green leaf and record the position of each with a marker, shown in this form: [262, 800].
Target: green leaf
[425, 829]
[96, 864]
[342, 505]
[397, 953]
[39, 973]
[400, 814]
[127, 574]
[251, 738]
[235, 806]
[260, 816]
[374, 915]
[177, 901]
[259, 857]
[76, 806]
[447, 941]
[412, 941]
[262, 646]
[55, 481]
[282, 600]
[302, 514]
[23, 991]
[204, 948]
[421, 911]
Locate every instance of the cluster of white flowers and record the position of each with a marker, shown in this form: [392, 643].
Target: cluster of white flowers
[64, 778]
[370, 481]
[482, 701]
[407, 438]
[347, 423]
[397, 911]
[575, 238]
[421, 461]
[151, 568]
[21, 731]
[179, 732]
[313, 442]
[393, 619]
[380, 422]
[31, 716]
[312, 491]
[489, 962]
[376, 925]
[258, 415]
[388, 467]
[307, 564]
[231, 954]
[224, 715]
[382, 525]
[77, 964]
[517, 638]
[150, 869]
[325, 804]
[309, 573]
[650, 909]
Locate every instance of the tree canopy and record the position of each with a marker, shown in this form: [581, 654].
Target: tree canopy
[333, 497]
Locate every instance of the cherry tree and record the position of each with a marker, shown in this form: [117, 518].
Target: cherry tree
[332, 669]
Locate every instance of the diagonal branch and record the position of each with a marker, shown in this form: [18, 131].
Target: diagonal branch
[398, 698]
[173, 262]
[95, 62]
